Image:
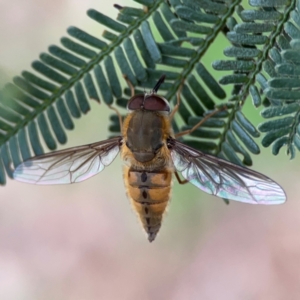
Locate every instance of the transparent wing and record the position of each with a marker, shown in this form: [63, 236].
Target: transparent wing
[70, 165]
[224, 179]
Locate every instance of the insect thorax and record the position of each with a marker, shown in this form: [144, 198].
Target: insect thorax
[145, 134]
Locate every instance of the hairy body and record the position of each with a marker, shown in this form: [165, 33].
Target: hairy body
[148, 166]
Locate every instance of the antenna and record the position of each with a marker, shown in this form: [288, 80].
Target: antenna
[159, 83]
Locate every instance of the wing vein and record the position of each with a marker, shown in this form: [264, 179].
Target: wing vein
[222, 178]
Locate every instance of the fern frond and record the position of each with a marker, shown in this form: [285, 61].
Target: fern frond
[252, 39]
[282, 89]
[170, 37]
[45, 101]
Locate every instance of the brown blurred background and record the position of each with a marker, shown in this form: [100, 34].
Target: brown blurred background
[84, 242]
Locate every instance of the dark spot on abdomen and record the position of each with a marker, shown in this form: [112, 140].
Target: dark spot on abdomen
[144, 193]
[144, 177]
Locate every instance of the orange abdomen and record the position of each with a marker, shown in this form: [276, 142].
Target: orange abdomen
[149, 193]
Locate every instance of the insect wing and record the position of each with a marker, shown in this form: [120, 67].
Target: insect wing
[224, 179]
[70, 165]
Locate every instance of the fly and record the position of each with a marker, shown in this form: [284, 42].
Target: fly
[152, 155]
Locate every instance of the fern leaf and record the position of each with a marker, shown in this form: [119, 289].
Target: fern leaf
[252, 41]
[282, 88]
[170, 37]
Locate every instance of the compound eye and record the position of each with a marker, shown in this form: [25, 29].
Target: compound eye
[156, 103]
[136, 102]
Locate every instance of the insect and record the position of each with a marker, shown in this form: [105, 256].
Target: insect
[152, 155]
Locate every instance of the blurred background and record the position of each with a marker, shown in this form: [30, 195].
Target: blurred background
[83, 241]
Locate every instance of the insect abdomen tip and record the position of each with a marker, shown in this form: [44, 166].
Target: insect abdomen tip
[151, 236]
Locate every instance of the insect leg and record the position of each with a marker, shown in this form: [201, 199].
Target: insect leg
[130, 85]
[180, 181]
[175, 109]
[119, 116]
[188, 131]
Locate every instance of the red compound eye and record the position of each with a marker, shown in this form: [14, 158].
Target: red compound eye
[136, 102]
[156, 103]
[151, 102]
